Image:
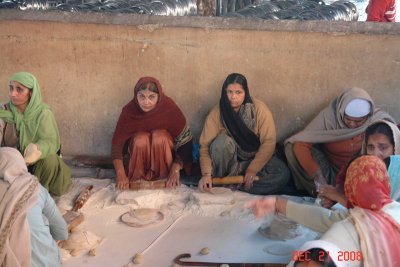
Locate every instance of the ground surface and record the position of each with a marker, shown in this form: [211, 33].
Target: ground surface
[192, 221]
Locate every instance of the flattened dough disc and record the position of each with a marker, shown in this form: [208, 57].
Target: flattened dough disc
[219, 190]
[142, 217]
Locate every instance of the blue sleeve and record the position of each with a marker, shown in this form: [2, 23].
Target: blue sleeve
[57, 224]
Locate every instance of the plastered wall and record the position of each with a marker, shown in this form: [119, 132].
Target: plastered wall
[88, 64]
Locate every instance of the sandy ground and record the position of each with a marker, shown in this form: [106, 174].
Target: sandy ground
[192, 221]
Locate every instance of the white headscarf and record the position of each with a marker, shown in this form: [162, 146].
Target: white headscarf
[18, 193]
[12, 164]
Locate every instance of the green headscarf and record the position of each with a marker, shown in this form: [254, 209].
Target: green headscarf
[37, 124]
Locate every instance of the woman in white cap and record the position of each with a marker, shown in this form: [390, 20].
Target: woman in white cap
[330, 140]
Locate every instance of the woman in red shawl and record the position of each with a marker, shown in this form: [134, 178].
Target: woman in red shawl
[151, 139]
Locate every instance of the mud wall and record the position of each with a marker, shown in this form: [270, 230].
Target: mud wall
[87, 65]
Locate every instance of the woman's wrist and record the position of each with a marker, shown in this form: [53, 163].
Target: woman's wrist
[276, 205]
[317, 175]
[176, 167]
[280, 205]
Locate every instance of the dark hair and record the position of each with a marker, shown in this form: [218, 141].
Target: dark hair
[387, 162]
[381, 128]
[317, 255]
[152, 87]
[239, 79]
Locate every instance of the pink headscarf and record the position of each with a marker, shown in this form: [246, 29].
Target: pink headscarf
[367, 188]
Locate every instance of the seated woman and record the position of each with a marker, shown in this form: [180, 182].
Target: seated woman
[239, 138]
[30, 220]
[382, 139]
[27, 124]
[151, 139]
[372, 230]
[330, 140]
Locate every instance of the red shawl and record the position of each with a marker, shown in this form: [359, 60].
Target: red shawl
[166, 115]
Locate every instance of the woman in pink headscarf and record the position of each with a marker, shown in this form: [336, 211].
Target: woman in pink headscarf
[372, 229]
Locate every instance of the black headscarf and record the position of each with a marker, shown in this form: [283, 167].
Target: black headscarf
[246, 139]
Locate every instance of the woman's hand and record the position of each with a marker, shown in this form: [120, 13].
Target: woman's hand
[173, 177]
[325, 202]
[122, 182]
[333, 194]
[205, 183]
[261, 206]
[319, 180]
[249, 178]
[32, 154]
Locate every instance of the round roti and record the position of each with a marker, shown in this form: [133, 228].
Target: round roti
[142, 217]
[219, 190]
[145, 214]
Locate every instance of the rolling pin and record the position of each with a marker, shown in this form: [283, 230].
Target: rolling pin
[160, 184]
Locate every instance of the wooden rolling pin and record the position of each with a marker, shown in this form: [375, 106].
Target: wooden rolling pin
[73, 217]
[160, 184]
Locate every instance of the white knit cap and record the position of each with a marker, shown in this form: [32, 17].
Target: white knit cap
[358, 108]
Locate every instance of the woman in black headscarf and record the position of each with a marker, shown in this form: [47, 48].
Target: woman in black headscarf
[239, 138]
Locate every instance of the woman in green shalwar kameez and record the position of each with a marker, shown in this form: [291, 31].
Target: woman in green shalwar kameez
[28, 124]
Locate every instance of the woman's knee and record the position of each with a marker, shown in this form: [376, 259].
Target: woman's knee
[141, 139]
[223, 144]
[49, 161]
[159, 137]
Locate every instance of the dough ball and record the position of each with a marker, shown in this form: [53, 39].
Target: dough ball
[224, 265]
[138, 258]
[204, 251]
[92, 252]
[81, 240]
[61, 244]
[75, 252]
[175, 265]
